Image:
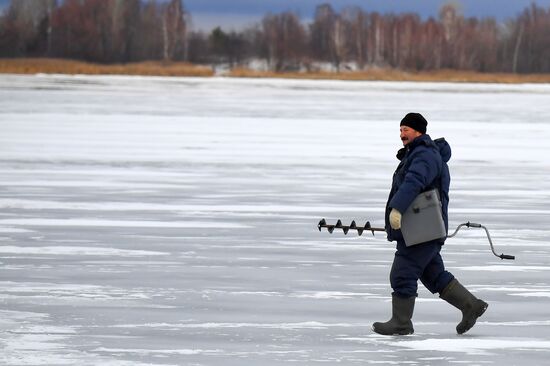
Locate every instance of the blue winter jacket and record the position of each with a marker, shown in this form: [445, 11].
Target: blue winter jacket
[423, 166]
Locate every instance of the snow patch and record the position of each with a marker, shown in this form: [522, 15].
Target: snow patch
[77, 251]
[474, 345]
[120, 223]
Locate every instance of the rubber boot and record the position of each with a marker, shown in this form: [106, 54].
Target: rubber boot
[400, 322]
[471, 307]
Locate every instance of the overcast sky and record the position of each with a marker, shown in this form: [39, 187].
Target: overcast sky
[207, 14]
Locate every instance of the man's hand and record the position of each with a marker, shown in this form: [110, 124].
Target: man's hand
[395, 219]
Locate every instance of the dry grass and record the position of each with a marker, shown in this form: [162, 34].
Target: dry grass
[59, 66]
[397, 75]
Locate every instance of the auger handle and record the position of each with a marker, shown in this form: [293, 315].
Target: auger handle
[476, 225]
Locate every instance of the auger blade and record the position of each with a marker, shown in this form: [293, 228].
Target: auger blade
[353, 225]
[345, 228]
[368, 227]
[321, 224]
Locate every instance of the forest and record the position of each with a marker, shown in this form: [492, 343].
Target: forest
[125, 31]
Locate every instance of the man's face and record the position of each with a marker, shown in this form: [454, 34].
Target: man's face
[408, 134]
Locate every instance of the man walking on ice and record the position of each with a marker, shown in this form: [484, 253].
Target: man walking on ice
[423, 166]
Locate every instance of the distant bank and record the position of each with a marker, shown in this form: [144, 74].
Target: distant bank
[155, 68]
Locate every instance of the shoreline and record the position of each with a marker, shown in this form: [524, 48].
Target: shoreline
[31, 66]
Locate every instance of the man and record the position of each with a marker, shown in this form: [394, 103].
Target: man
[423, 166]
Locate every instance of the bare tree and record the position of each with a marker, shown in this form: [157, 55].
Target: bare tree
[150, 33]
[285, 38]
[376, 39]
[517, 47]
[533, 40]
[358, 21]
[25, 27]
[431, 45]
[408, 41]
[339, 41]
[125, 27]
[486, 45]
[173, 30]
[451, 18]
[321, 33]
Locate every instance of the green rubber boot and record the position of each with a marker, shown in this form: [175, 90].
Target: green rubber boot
[400, 322]
[471, 307]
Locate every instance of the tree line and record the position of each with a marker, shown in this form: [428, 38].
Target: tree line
[106, 31]
[121, 31]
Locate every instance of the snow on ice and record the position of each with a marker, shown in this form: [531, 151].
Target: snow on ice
[172, 221]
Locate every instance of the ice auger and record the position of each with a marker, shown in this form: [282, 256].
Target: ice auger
[368, 227]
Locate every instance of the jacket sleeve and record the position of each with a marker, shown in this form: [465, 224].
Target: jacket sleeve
[423, 170]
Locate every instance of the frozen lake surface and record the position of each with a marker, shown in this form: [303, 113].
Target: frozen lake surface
[172, 221]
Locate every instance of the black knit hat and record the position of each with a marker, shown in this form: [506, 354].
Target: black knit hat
[415, 121]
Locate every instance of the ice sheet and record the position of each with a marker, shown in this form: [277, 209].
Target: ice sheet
[172, 221]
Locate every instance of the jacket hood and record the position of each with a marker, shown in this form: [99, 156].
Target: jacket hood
[444, 148]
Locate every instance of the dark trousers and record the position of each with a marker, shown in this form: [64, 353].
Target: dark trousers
[418, 262]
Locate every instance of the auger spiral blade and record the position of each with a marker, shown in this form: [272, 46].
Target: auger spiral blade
[369, 228]
[345, 228]
[322, 224]
[353, 226]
